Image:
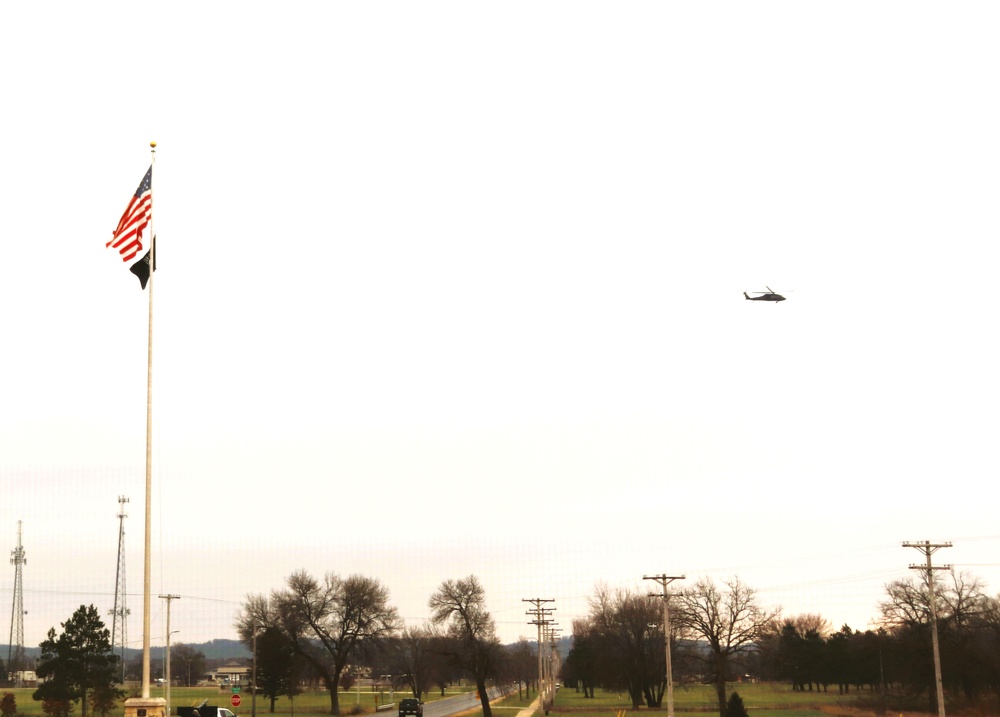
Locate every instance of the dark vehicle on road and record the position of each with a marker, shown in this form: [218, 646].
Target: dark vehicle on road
[411, 706]
[204, 710]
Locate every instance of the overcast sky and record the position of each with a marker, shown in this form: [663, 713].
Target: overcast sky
[452, 288]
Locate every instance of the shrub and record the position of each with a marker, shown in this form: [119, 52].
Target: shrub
[105, 700]
[56, 708]
[735, 706]
[8, 705]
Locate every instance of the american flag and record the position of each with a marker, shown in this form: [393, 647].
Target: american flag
[127, 238]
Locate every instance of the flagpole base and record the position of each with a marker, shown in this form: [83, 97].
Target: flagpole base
[145, 707]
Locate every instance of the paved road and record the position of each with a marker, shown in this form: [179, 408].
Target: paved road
[452, 705]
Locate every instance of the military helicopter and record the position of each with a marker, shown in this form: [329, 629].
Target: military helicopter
[768, 295]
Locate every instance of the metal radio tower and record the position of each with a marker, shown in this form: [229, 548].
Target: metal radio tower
[15, 651]
[119, 615]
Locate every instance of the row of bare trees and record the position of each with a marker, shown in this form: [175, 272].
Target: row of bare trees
[969, 632]
[620, 644]
[321, 627]
[721, 633]
[893, 660]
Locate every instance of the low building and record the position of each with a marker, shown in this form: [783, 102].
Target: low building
[23, 678]
[231, 674]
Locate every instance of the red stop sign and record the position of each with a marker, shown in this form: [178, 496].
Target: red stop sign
[235, 700]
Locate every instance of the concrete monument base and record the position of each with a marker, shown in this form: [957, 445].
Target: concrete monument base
[146, 707]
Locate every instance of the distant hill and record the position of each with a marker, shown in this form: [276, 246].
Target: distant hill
[230, 650]
[213, 650]
[219, 649]
[28, 651]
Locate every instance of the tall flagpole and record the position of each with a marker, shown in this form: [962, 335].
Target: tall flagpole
[146, 706]
[149, 450]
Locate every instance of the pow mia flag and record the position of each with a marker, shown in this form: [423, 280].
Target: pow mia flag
[141, 268]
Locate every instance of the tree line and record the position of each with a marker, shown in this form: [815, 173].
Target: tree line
[327, 630]
[320, 629]
[720, 634]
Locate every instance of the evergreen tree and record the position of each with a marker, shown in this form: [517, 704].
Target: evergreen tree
[277, 665]
[735, 706]
[78, 663]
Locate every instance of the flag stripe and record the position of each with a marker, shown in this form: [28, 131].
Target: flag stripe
[127, 238]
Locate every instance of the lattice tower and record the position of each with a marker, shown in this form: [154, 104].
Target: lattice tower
[15, 651]
[119, 615]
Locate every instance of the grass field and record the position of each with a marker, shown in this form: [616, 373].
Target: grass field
[310, 702]
[762, 700]
[701, 698]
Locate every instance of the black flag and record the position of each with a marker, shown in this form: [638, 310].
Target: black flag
[141, 267]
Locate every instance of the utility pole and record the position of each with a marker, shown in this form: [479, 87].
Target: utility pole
[928, 548]
[554, 659]
[166, 660]
[664, 581]
[540, 613]
[253, 685]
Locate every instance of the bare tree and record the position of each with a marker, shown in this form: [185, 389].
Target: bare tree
[628, 632]
[582, 663]
[965, 599]
[988, 637]
[729, 620]
[326, 623]
[187, 663]
[810, 622]
[961, 605]
[523, 661]
[416, 657]
[460, 605]
[905, 614]
[908, 604]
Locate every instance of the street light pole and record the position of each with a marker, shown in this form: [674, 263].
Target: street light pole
[166, 666]
[253, 684]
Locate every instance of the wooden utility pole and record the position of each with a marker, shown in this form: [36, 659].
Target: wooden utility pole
[928, 548]
[664, 581]
[554, 660]
[540, 613]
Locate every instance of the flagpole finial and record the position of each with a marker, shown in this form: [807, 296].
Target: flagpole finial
[153, 145]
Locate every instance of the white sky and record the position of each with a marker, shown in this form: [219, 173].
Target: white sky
[453, 288]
